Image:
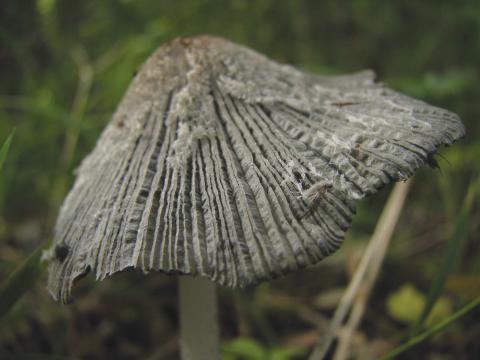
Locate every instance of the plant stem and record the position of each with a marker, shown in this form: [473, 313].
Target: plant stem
[199, 335]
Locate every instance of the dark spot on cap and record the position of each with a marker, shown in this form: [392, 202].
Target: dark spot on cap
[61, 252]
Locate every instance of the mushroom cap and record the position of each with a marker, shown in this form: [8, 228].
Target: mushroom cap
[220, 162]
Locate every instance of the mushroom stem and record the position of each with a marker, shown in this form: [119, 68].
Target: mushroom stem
[199, 336]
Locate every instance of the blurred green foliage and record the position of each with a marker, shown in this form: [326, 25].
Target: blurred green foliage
[245, 348]
[64, 66]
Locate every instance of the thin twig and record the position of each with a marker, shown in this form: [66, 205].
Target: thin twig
[345, 336]
[368, 264]
[381, 236]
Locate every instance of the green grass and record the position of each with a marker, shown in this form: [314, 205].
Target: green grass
[452, 250]
[20, 281]
[466, 309]
[5, 148]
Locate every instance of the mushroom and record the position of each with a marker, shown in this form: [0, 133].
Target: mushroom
[223, 164]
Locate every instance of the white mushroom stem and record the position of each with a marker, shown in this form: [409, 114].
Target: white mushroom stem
[199, 335]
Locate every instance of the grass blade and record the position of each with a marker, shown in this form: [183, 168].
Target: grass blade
[474, 304]
[452, 250]
[20, 281]
[5, 148]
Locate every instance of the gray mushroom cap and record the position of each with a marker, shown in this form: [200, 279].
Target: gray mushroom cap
[222, 163]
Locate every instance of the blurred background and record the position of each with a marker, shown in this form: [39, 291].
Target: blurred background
[64, 66]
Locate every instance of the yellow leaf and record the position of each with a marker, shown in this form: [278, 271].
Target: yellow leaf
[406, 304]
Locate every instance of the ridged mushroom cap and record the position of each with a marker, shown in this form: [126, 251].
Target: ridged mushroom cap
[220, 162]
